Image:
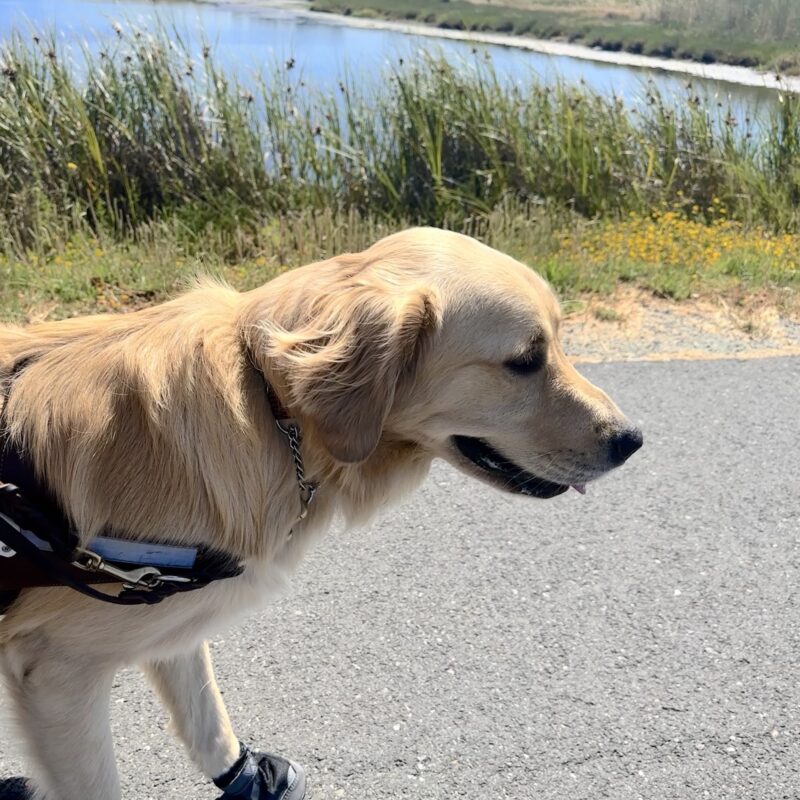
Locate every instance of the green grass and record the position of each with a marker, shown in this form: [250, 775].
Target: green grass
[164, 165]
[90, 273]
[713, 32]
[95, 271]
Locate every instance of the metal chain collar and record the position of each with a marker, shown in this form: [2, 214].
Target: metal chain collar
[290, 429]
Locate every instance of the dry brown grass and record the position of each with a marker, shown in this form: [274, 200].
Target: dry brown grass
[591, 9]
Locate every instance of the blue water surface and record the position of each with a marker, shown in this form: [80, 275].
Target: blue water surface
[250, 38]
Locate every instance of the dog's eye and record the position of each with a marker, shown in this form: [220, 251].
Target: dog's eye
[528, 363]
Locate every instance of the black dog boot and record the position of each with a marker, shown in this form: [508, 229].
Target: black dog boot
[14, 789]
[261, 776]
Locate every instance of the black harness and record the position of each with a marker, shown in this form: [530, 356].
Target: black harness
[28, 535]
[39, 546]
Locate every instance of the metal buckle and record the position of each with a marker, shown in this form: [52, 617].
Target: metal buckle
[148, 577]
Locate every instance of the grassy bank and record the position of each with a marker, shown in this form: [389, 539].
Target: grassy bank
[750, 33]
[663, 252]
[122, 174]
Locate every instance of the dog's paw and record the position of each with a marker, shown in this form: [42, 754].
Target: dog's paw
[262, 776]
[15, 789]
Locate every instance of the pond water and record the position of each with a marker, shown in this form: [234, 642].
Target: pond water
[250, 37]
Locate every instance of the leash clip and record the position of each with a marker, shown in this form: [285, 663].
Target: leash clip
[148, 577]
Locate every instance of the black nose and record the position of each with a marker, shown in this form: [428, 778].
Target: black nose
[624, 444]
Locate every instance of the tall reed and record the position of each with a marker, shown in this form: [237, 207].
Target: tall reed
[148, 130]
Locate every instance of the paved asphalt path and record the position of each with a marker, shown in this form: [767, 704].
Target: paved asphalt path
[640, 642]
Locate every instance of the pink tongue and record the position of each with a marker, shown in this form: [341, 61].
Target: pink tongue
[579, 487]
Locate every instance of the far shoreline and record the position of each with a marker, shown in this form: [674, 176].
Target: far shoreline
[723, 73]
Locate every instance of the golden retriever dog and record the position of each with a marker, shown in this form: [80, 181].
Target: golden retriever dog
[157, 424]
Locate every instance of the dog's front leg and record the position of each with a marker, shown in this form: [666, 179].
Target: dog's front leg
[190, 692]
[60, 700]
[187, 686]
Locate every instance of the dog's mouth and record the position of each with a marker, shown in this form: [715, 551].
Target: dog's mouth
[505, 473]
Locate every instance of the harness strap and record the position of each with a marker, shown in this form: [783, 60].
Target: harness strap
[55, 567]
[7, 599]
[146, 584]
[51, 557]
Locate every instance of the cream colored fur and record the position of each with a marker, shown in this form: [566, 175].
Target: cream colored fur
[156, 424]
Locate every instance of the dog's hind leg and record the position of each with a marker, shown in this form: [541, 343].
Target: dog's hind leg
[187, 686]
[61, 704]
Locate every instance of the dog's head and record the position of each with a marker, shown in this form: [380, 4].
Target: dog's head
[433, 339]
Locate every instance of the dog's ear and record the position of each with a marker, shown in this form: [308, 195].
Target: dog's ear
[343, 367]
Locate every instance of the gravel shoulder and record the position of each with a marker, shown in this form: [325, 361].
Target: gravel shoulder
[636, 326]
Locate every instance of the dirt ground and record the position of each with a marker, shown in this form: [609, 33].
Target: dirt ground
[636, 326]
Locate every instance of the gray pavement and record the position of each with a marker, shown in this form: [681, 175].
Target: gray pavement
[640, 642]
